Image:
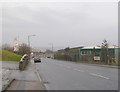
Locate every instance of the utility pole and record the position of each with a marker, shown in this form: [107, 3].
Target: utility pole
[51, 49]
[51, 46]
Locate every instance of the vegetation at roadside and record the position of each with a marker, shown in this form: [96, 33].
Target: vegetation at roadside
[0, 55]
[100, 54]
[20, 50]
[9, 56]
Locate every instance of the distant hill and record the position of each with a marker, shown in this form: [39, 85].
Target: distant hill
[9, 56]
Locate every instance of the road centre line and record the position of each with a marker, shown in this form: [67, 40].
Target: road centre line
[98, 75]
[65, 66]
[78, 70]
[70, 67]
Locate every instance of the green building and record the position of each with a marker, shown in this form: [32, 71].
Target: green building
[90, 54]
[96, 53]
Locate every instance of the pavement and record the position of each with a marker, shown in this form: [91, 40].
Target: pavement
[6, 69]
[6, 78]
[28, 79]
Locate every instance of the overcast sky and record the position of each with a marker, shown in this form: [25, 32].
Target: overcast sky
[61, 24]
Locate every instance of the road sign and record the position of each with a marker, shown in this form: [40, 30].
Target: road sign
[96, 57]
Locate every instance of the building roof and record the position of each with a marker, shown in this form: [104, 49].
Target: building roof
[98, 47]
[77, 47]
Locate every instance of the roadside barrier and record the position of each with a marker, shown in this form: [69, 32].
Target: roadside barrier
[23, 62]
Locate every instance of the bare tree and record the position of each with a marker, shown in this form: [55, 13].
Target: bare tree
[23, 49]
[104, 51]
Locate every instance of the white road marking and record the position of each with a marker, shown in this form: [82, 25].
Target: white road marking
[99, 75]
[67, 66]
[78, 70]
[36, 71]
[64, 66]
[70, 67]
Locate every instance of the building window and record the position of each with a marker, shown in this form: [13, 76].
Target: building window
[89, 52]
[82, 52]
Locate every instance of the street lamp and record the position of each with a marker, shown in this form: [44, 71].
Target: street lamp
[29, 44]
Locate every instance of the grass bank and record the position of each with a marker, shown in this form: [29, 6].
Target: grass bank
[9, 56]
[0, 55]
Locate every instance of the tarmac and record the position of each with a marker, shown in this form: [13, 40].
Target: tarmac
[28, 79]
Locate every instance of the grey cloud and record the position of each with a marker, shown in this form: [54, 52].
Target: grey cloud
[63, 24]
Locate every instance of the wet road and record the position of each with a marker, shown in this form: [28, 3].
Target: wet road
[61, 75]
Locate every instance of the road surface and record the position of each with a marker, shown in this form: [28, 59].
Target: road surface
[62, 75]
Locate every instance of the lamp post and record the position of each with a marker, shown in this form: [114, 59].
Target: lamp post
[29, 45]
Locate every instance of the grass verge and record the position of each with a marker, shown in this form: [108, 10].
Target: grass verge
[9, 56]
